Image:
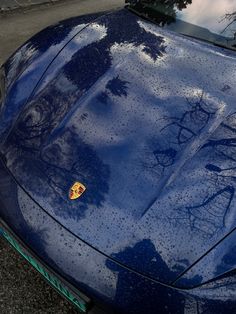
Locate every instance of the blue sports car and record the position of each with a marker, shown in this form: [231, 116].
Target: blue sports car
[118, 157]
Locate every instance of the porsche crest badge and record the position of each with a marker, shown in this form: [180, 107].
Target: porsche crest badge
[76, 190]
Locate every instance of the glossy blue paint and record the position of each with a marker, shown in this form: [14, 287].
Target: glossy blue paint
[145, 118]
[25, 68]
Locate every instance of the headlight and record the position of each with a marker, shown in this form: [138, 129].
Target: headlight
[2, 86]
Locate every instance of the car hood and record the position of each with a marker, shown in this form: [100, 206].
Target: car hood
[145, 119]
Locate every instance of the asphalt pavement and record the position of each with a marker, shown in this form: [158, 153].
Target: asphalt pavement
[22, 289]
[8, 5]
[18, 26]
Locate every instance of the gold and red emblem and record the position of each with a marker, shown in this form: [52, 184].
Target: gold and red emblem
[76, 190]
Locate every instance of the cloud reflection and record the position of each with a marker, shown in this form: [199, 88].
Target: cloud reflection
[208, 14]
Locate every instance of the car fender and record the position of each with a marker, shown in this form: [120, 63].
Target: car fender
[24, 69]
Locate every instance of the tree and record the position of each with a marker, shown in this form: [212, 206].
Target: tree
[161, 11]
[231, 18]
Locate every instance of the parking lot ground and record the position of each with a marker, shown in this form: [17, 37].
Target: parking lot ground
[23, 290]
[17, 27]
[8, 5]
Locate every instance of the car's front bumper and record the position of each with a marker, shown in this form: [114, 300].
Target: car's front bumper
[57, 254]
[82, 271]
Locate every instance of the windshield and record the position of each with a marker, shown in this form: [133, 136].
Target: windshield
[210, 20]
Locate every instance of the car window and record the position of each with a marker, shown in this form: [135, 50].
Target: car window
[210, 20]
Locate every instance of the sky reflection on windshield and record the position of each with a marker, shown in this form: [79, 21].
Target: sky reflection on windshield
[210, 14]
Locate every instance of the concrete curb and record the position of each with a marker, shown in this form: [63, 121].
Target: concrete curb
[7, 6]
